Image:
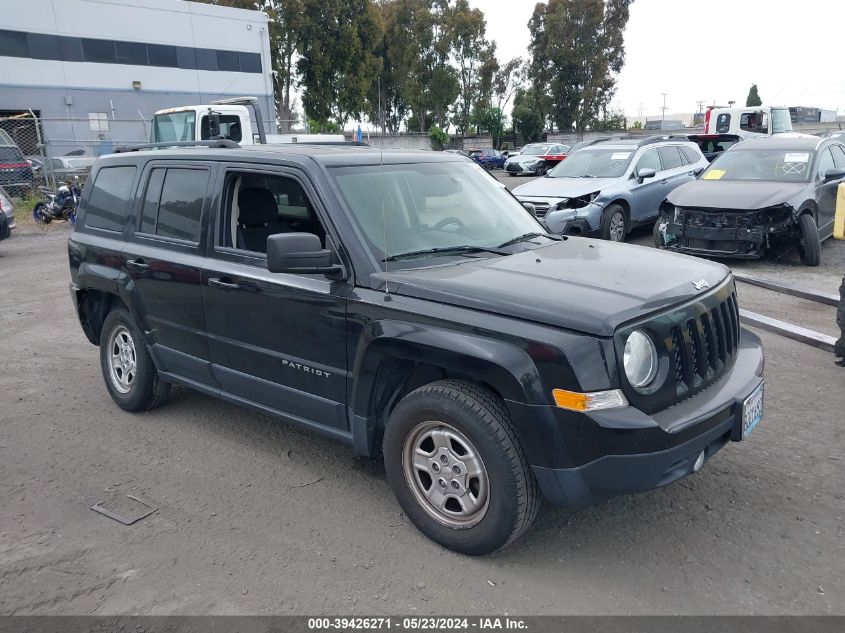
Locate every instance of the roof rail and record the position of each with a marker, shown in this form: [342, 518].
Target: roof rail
[216, 144]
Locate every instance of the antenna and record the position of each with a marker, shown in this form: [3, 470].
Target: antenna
[381, 184]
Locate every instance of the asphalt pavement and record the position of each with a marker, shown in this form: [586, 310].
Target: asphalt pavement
[255, 517]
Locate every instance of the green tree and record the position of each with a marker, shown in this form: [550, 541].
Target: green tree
[526, 116]
[753, 99]
[439, 138]
[475, 57]
[577, 49]
[491, 120]
[338, 63]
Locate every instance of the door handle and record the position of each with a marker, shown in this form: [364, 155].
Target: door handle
[137, 264]
[224, 285]
[664, 182]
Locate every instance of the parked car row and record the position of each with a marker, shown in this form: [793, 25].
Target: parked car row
[755, 194]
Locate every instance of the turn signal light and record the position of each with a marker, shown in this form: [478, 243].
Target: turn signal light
[576, 401]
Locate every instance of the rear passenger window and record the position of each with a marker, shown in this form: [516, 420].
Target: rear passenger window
[108, 203]
[173, 203]
[670, 157]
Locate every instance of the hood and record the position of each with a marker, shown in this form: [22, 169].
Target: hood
[580, 284]
[739, 195]
[562, 187]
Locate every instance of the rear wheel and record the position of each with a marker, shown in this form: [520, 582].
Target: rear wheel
[39, 213]
[457, 469]
[809, 246]
[613, 225]
[128, 369]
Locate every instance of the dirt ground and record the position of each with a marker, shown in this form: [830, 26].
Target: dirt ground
[255, 517]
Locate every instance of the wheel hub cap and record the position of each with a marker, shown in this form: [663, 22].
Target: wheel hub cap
[121, 359]
[446, 474]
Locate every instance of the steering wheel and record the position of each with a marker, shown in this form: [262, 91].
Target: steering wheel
[448, 221]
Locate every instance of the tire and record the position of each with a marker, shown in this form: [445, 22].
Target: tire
[541, 169]
[38, 213]
[809, 248]
[614, 226]
[657, 236]
[444, 418]
[134, 383]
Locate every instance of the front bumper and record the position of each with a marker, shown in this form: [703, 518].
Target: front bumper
[621, 451]
[519, 168]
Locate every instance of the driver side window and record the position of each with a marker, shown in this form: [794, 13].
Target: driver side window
[825, 163]
[649, 160]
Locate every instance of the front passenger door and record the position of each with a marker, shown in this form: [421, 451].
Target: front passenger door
[278, 341]
[647, 195]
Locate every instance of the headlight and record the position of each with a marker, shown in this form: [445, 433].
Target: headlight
[640, 359]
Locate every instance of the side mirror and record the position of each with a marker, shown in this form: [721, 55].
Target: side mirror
[698, 170]
[531, 208]
[301, 253]
[645, 172]
[834, 174]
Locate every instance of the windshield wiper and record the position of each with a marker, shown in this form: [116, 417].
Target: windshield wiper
[446, 250]
[528, 236]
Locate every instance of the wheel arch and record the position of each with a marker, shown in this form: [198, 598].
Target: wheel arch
[402, 359]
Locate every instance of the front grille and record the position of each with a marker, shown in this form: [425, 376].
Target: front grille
[705, 345]
[698, 340]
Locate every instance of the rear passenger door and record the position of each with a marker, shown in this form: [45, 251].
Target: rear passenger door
[278, 341]
[826, 191]
[676, 171]
[163, 257]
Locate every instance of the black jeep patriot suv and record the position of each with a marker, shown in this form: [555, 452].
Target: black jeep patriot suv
[406, 304]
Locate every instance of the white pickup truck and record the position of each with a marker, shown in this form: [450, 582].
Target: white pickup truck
[748, 122]
[226, 119]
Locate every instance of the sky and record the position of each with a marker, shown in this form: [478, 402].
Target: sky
[711, 51]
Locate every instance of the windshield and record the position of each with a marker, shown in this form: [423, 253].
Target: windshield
[594, 163]
[431, 206]
[535, 150]
[174, 126]
[781, 122]
[769, 165]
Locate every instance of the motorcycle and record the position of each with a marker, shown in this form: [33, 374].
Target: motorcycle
[59, 205]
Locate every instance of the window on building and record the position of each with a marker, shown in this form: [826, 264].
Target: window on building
[250, 62]
[206, 59]
[70, 49]
[109, 201]
[98, 121]
[132, 53]
[228, 60]
[160, 55]
[99, 51]
[13, 44]
[43, 46]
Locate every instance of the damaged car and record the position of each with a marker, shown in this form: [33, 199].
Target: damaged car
[608, 188]
[759, 193]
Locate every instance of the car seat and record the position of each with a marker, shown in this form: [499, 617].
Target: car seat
[258, 217]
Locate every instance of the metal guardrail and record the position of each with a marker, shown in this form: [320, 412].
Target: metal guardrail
[818, 296]
[789, 330]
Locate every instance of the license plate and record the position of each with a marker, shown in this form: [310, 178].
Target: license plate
[752, 411]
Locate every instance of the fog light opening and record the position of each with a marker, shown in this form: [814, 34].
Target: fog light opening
[699, 462]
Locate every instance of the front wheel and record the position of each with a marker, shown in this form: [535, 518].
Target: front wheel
[131, 377]
[457, 469]
[541, 169]
[613, 225]
[809, 247]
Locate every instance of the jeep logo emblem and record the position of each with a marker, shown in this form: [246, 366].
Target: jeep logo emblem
[701, 284]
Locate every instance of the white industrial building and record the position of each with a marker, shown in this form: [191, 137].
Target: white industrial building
[94, 71]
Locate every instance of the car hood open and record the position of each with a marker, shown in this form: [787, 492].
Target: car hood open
[562, 187]
[581, 284]
[738, 195]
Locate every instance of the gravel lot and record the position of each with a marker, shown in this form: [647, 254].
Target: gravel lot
[258, 518]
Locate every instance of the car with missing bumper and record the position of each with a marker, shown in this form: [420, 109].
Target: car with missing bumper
[759, 193]
[608, 188]
[406, 304]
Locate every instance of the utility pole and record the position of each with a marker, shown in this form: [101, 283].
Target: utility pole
[663, 107]
[700, 105]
